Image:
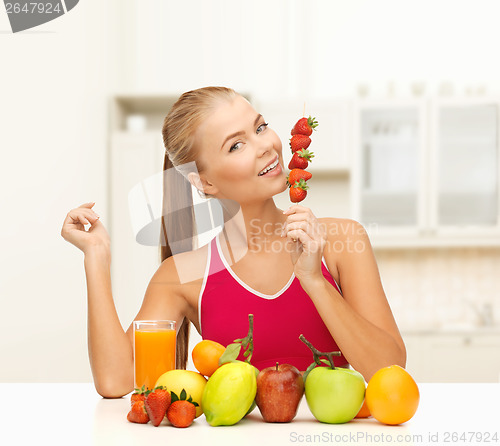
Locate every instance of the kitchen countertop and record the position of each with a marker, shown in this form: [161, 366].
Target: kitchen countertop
[72, 414]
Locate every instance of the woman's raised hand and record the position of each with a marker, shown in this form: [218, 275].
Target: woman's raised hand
[306, 240]
[73, 229]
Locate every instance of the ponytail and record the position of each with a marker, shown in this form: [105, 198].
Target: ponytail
[178, 222]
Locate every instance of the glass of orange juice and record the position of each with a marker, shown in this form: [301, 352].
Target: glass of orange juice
[154, 351]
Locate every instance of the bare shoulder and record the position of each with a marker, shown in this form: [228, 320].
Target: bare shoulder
[177, 284]
[343, 229]
[347, 243]
[184, 268]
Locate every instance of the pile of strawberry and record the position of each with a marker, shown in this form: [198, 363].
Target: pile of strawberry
[299, 142]
[154, 405]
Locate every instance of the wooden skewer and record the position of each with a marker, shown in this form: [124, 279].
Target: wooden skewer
[304, 110]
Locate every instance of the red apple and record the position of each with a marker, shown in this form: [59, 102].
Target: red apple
[279, 391]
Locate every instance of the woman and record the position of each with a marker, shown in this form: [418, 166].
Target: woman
[296, 273]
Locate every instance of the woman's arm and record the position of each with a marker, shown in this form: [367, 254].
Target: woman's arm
[360, 320]
[110, 350]
[110, 347]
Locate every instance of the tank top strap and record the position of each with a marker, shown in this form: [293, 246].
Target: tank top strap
[216, 263]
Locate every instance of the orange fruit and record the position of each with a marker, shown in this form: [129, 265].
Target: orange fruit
[364, 412]
[392, 395]
[206, 356]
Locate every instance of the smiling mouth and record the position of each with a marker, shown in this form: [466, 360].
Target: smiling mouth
[269, 167]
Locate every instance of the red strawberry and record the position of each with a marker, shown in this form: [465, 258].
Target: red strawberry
[181, 413]
[298, 142]
[138, 413]
[298, 191]
[298, 174]
[304, 126]
[300, 159]
[138, 395]
[157, 403]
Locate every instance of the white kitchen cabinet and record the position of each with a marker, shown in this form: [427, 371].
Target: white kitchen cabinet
[389, 164]
[453, 357]
[427, 171]
[464, 166]
[464, 358]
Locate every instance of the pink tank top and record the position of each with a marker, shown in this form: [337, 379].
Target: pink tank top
[225, 302]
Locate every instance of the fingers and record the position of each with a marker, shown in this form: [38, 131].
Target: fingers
[299, 217]
[96, 225]
[298, 225]
[305, 221]
[303, 228]
[296, 208]
[300, 235]
[77, 218]
[297, 212]
[83, 215]
[295, 249]
[89, 205]
[305, 235]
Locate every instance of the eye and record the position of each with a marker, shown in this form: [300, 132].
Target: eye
[235, 146]
[262, 127]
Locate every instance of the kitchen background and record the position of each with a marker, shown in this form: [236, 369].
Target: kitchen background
[407, 95]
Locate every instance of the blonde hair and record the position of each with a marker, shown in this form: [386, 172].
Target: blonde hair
[186, 115]
[178, 225]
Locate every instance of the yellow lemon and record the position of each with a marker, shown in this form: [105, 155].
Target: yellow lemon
[193, 382]
[230, 393]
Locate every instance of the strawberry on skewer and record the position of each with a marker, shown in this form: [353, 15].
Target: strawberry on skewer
[298, 186]
[297, 175]
[300, 159]
[298, 191]
[304, 126]
[298, 142]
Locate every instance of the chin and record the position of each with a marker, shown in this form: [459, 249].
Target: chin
[280, 189]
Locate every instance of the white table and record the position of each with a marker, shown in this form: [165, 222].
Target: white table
[73, 414]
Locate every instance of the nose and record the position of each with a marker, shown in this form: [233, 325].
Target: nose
[264, 146]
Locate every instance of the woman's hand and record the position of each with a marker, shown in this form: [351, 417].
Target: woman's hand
[306, 239]
[73, 229]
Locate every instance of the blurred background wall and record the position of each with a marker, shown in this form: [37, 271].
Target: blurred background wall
[58, 85]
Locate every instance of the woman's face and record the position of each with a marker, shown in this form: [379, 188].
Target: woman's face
[235, 147]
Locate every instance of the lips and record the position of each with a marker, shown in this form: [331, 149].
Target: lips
[269, 167]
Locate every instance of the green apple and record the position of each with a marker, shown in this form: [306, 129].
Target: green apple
[334, 395]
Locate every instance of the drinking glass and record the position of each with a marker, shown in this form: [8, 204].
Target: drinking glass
[154, 351]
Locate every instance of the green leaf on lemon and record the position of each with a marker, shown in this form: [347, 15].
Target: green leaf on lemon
[230, 354]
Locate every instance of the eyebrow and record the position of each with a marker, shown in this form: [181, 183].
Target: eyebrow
[241, 132]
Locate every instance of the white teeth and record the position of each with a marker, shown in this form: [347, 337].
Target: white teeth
[268, 168]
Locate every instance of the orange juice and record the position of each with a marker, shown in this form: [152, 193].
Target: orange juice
[154, 351]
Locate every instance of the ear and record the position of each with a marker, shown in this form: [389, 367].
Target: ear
[201, 183]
